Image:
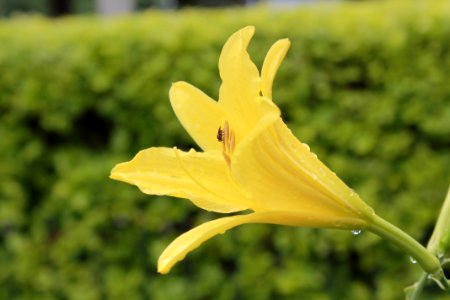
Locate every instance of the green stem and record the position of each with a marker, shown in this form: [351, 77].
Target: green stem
[427, 260]
[442, 227]
[443, 280]
[418, 287]
[435, 246]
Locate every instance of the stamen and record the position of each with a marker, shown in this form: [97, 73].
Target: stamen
[227, 138]
[227, 159]
[226, 132]
[231, 142]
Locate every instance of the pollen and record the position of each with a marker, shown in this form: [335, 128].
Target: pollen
[226, 136]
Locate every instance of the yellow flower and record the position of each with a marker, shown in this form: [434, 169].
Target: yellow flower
[250, 159]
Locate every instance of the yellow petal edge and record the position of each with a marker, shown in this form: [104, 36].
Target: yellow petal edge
[192, 239]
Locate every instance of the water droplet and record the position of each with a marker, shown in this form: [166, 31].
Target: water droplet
[313, 154]
[306, 146]
[314, 176]
[356, 231]
[353, 194]
[412, 260]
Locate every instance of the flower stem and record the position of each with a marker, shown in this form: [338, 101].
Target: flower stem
[417, 287]
[445, 283]
[442, 228]
[427, 260]
[437, 247]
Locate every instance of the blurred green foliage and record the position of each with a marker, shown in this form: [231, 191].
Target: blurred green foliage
[366, 85]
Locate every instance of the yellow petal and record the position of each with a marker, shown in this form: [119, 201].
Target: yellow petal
[192, 239]
[318, 174]
[271, 64]
[201, 177]
[275, 179]
[200, 115]
[241, 82]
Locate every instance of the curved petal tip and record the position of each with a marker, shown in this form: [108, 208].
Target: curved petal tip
[271, 64]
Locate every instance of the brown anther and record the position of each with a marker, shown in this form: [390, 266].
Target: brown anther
[220, 134]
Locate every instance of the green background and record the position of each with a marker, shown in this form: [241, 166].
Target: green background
[366, 85]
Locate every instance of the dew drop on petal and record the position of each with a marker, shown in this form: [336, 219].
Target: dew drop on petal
[306, 146]
[356, 231]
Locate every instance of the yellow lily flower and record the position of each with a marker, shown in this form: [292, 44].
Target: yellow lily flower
[250, 159]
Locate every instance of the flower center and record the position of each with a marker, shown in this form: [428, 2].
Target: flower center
[226, 136]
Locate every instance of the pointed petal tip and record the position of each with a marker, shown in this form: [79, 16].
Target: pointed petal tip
[176, 87]
[112, 175]
[115, 176]
[246, 34]
[271, 64]
[250, 30]
[284, 43]
[163, 268]
[166, 262]
[285, 40]
[241, 37]
[177, 84]
[192, 239]
[115, 172]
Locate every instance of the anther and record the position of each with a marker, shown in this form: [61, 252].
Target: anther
[220, 134]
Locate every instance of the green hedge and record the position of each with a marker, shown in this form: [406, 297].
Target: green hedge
[365, 84]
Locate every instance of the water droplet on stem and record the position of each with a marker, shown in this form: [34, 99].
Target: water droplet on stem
[356, 231]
